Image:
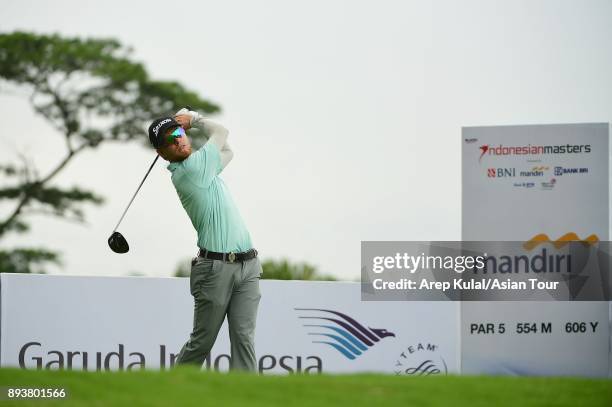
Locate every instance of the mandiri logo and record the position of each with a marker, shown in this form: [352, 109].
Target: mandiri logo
[567, 238]
[341, 332]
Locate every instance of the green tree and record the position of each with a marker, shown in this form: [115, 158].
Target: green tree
[183, 269]
[91, 92]
[272, 270]
[285, 270]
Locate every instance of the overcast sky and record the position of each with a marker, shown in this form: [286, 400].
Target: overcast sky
[345, 116]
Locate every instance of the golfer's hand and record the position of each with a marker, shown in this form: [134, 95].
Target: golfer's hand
[184, 120]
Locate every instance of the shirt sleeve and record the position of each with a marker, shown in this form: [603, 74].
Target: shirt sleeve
[204, 165]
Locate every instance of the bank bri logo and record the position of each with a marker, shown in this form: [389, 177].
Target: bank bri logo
[341, 332]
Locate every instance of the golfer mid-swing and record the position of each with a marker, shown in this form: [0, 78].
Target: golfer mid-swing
[225, 275]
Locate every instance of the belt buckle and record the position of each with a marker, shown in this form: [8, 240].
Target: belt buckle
[231, 257]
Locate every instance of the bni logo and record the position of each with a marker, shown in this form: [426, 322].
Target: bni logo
[501, 172]
[340, 331]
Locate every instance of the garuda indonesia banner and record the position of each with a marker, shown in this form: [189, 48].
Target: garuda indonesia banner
[546, 186]
[110, 323]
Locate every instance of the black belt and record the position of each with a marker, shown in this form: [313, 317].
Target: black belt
[230, 257]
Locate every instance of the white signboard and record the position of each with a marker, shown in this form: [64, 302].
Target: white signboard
[137, 322]
[544, 184]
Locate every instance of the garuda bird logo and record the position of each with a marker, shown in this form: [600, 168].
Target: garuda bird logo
[340, 331]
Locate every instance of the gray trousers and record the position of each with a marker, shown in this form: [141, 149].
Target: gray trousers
[219, 289]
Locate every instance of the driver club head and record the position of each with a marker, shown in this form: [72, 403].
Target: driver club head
[117, 243]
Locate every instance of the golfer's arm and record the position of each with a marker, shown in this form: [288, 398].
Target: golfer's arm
[226, 154]
[218, 136]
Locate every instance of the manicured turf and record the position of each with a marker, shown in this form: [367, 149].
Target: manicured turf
[188, 386]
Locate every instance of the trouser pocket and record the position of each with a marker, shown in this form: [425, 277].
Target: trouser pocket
[201, 269]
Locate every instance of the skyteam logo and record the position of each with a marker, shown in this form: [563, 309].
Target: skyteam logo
[421, 359]
[340, 331]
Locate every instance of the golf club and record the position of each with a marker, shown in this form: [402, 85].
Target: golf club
[116, 241]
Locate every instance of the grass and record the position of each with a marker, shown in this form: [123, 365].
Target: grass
[188, 386]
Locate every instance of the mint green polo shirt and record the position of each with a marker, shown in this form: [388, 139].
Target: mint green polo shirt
[208, 203]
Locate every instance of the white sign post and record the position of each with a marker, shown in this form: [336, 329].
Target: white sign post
[544, 184]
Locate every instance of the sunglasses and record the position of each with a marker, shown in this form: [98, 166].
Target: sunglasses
[177, 133]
